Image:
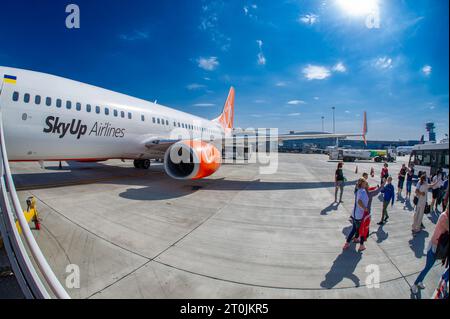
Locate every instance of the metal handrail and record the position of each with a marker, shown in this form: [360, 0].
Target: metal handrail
[36, 252]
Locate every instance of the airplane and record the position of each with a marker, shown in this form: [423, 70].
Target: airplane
[51, 118]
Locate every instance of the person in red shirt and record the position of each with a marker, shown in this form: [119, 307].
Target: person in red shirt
[384, 173]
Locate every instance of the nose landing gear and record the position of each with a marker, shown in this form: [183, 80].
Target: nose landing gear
[141, 163]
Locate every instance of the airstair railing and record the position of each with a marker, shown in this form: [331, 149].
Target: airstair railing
[21, 264]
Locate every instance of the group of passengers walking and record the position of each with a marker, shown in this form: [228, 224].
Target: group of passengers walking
[361, 213]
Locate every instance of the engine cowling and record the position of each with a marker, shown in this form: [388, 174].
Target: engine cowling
[192, 160]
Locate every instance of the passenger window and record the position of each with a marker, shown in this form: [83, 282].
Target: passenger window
[97, 109]
[106, 111]
[37, 99]
[88, 108]
[182, 125]
[58, 103]
[122, 114]
[48, 101]
[15, 96]
[129, 115]
[142, 118]
[26, 98]
[154, 120]
[167, 122]
[179, 125]
[68, 105]
[78, 106]
[159, 121]
[116, 113]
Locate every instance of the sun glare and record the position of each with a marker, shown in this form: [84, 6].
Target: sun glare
[358, 7]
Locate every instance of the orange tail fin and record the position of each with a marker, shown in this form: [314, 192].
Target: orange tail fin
[226, 119]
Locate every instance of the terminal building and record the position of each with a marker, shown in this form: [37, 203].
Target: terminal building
[302, 145]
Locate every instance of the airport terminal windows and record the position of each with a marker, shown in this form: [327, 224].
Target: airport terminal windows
[48, 101]
[58, 103]
[37, 99]
[15, 96]
[68, 105]
[78, 106]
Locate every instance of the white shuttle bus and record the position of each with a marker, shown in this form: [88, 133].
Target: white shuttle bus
[429, 158]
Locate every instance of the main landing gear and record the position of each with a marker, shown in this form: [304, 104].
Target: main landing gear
[141, 163]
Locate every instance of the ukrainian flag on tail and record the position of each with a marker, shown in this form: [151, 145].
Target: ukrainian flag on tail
[9, 79]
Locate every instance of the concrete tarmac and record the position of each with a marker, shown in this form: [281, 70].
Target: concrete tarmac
[237, 234]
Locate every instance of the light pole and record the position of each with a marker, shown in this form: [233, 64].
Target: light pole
[334, 125]
[323, 127]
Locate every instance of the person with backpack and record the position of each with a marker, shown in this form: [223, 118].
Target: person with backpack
[361, 206]
[339, 181]
[384, 173]
[420, 200]
[388, 197]
[401, 180]
[437, 250]
[409, 181]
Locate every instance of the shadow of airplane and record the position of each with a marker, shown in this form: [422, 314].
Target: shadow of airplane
[162, 187]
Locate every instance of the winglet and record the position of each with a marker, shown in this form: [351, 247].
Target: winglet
[365, 128]
[226, 119]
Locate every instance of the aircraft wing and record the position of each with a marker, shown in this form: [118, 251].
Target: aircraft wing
[286, 137]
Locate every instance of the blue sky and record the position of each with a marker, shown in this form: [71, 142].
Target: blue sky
[290, 61]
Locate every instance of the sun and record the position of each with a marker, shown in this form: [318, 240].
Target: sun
[358, 7]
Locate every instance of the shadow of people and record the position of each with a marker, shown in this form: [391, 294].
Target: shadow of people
[381, 234]
[408, 206]
[343, 267]
[400, 198]
[433, 217]
[332, 207]
[417, 243]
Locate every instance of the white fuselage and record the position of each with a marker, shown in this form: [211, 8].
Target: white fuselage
[47, 117]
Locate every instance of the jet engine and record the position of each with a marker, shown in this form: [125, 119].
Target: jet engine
[192, 159]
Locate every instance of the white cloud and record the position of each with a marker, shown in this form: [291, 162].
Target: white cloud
[261, 58]
[347, 111]
[295, 102]
[383, 63]
[204, 104]
[135, 35]
[294, 114]
[426, 70]
[195, 86]
[308, 19]
[208, 64]
[339, 67]
[280, 83]
[316, 98]
[316, 72]
[259, 101]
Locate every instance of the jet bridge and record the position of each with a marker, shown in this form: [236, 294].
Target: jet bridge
[32, 280]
